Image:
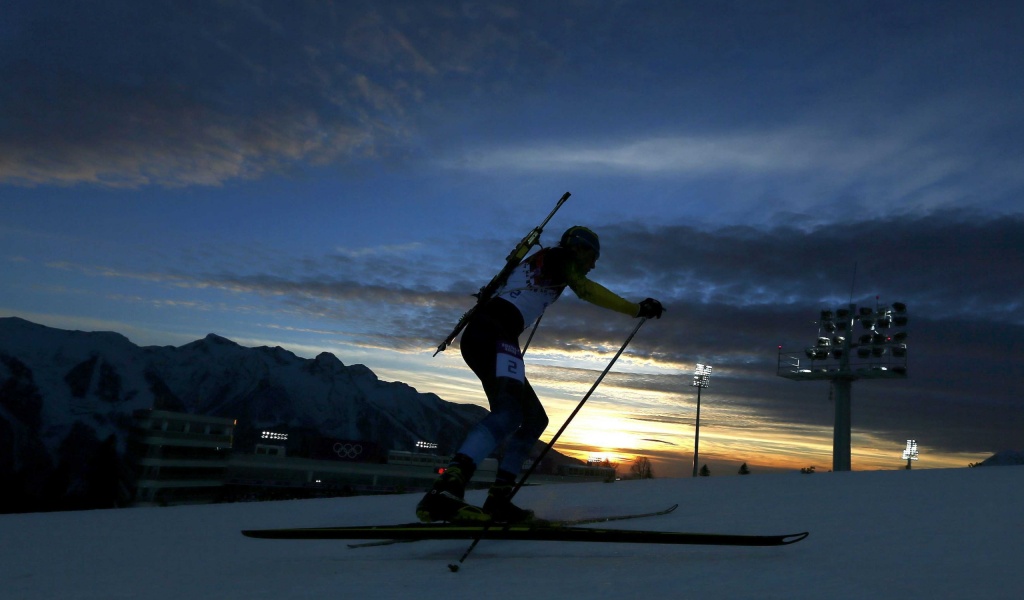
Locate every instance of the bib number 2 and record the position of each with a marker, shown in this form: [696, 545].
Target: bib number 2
[510, 363]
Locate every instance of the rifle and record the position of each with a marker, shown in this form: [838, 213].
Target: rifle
[511, 262]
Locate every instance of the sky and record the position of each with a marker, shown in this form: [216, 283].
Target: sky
[342, 176]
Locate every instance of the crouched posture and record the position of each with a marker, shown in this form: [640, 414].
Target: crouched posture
[490, 346]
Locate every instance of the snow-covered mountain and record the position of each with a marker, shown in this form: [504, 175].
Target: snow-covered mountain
[67, 397]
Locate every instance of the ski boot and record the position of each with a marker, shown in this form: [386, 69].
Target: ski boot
[499, 505]
[444, 501]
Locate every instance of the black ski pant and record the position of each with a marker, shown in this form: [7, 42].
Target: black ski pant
[517, 417]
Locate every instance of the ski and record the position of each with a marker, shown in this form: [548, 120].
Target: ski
[511, 262]
[525, 533]
[540, 523]
[520, 533]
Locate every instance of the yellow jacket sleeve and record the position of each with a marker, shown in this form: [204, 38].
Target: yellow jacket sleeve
[597, 294]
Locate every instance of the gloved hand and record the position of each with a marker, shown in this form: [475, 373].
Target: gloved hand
[650, 309]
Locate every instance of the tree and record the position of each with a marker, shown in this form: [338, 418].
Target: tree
[641, 468]
[807, 470]
[744, 470]
[705, 471]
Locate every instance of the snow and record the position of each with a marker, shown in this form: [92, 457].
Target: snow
[943, 533]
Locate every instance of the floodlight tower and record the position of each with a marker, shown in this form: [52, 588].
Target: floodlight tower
[910, 453]
[701, 379]
[880, 355]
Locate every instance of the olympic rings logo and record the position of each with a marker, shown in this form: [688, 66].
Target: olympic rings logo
[348, 450]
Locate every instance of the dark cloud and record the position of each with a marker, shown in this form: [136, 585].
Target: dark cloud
[925, 261]
[181, 93]
[665, 442]
[735, 294]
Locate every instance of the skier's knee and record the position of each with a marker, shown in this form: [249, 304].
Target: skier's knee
[534, 427]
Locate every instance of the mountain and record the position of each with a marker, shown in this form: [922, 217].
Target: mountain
[67, 398]
[1004, 458]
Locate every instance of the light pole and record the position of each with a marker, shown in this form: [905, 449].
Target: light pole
[880, 354]
[911, 452]
[701, 379]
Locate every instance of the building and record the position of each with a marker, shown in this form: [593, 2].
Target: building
[179, 458]
[589, 471]
[192, 459]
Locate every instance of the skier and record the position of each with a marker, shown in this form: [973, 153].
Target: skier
[490, 346]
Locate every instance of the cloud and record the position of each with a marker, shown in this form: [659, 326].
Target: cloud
[126, 95]
[677, 155]
[388, 250]
[897, 257]
[810, 164]
[734, 294]
[168, 104]
[205, 94]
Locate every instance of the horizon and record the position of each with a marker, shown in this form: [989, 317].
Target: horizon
[670, 466]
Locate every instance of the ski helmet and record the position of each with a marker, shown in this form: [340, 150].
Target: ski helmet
[581, 237]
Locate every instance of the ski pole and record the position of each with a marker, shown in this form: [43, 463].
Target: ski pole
[579, 406]
[536, 324]
[454, 567]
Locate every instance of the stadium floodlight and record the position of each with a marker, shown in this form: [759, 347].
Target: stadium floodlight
[845, 356]
[911, 453]
[701, 376]
[421, 445]
[701, 380]
[273, 435]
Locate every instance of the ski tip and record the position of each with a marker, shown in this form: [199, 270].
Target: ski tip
[794, 538]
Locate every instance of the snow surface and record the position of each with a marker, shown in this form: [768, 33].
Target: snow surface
[951, 533]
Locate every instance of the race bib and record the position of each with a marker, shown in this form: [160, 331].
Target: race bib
[510, 362]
